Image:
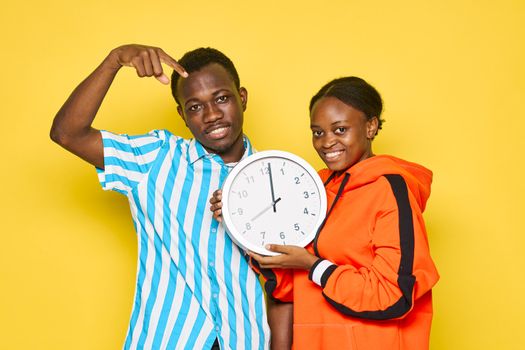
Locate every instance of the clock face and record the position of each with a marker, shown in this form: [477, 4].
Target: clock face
[273, 197]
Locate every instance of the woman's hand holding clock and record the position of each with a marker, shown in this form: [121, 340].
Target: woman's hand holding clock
[291, 257]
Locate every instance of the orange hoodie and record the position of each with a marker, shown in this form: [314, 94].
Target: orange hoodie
[371, 287]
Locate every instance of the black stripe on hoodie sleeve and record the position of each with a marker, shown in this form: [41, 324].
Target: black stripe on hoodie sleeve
[326, 273]
[310, 274]
[405, 278]
[270, 281]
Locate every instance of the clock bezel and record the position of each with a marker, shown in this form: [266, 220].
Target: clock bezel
[235, 234]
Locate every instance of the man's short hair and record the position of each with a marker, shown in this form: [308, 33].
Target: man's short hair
[197, 59]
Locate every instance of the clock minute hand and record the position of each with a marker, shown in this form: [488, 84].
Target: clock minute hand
[272, 204]
[271, 187]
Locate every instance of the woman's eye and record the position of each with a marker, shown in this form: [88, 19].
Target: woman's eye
[222, 99]
[340, 130]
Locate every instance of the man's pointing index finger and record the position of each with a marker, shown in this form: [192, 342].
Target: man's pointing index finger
[170, 61]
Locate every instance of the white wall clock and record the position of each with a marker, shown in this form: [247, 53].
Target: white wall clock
[273, 197]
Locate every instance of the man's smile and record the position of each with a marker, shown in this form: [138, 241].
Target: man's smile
[218, 132]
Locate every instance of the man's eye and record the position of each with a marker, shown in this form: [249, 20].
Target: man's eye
[222, 99]
[340, 130]
[317, 133]
[194, 108]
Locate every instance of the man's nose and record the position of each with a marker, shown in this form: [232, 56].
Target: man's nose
[212, 113]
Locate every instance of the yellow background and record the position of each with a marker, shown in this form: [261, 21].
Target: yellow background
[451, 73]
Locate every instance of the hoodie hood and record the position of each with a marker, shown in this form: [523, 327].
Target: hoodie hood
[417, 177]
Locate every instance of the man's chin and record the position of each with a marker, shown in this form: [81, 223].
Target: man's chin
[219, 146]
[224, 146]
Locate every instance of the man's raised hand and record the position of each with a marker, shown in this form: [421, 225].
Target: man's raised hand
[147, 61]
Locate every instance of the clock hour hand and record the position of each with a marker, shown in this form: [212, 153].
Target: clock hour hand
[271, 187]
[272, 204]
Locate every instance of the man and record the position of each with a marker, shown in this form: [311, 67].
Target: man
[194, 287]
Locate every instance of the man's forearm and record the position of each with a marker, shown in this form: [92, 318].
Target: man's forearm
[78, 112]
[72, 125]
[80, 108]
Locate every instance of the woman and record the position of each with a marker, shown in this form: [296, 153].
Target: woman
[365, 281]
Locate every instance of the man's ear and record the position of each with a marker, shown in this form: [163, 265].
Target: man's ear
[243, 93]
[181, 113]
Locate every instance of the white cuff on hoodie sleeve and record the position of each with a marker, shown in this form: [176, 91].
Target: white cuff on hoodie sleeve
[320, 271]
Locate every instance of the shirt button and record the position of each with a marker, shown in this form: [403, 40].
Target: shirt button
[215, 295]
[213, 230]
[211, 263]
[217, 328]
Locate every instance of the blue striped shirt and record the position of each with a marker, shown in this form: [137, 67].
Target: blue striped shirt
[193, 284]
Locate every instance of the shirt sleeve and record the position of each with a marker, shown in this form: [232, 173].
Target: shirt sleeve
[401, 270]
[128, 159]
[278, 283]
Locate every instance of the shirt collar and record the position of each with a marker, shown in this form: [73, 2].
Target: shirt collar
[197, 151]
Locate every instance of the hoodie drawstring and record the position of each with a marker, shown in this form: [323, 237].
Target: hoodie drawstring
[332, 175]
[339, 193]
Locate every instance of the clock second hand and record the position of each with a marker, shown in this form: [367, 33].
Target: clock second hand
[272, 204]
